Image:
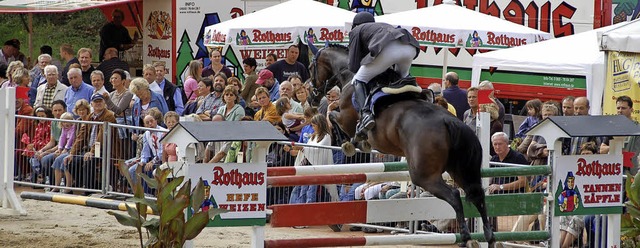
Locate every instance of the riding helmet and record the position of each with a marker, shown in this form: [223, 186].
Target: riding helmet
[362, 17]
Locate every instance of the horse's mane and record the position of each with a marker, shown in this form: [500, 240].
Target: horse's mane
[338, 46]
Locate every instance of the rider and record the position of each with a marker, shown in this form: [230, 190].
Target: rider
[374, 47]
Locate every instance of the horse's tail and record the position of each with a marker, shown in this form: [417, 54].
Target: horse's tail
[465, 159]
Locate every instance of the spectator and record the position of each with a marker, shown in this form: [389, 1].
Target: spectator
[454, 95]
[249, 65]
[216, 66]
[9, 51]
[235, 82]
[332, 97]
[193, 77]
[46, 155]
[270, 59]
[202, 92]
[534, 115]
[282, 69]
[301, 95]
[487, 85]
[266, 79]
[109, 64]
[97, 80]
[52, 90]
[146, 100]
[37, 75]
[581, 108]
[3, 74]
[119, 99]
[296, 81]
[169, 154]
[437, 92]
[624, 106]
[39, 140]
[68, 54]
[290, 119]
[286, 89]
[81, 111]
[149, 74]
[67, 138]
[78, 89]
[213, 101]
[567, 106]
[85, 57]
[231, 111]
[151, 156]
[13, 66]
[535, 148]
[504, 154]
[46, 49]
[267, 110]
[115, 35]
[22, 128]
[469, 116]
[173, 96]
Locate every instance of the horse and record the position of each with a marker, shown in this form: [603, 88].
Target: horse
[430, 138]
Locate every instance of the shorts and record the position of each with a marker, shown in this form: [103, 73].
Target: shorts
[572, 224]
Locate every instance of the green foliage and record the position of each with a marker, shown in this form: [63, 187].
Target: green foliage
[170, 229]
[80, 29]
[631, 220]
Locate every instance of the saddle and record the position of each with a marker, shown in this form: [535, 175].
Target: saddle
[389, 87]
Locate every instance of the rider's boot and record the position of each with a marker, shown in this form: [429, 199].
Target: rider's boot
[366, 117]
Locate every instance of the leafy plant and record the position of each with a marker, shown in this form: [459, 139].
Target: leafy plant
[630, 226]
[170, 229]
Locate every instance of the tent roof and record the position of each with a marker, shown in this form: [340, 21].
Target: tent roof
[573, 55]
[49, 6]
[293, 13]
[624, 38]
[440, 17]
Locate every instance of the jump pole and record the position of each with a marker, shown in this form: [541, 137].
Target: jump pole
[81, 200]
[410, 239]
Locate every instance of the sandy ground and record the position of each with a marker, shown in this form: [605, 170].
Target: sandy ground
[50, 224]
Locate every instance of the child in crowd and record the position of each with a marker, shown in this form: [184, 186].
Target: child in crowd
[534, 114]
[171, 119]
[67, 137]
[290, 119]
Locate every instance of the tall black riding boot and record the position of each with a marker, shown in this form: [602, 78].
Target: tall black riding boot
[366, 117]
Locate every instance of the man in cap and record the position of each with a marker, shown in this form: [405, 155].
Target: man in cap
[373, 48]
[9, 51]
[266, 79]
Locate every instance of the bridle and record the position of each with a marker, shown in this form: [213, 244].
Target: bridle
[328, 83]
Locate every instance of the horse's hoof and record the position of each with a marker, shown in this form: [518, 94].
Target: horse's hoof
[472, 244]
[365, 146]
[348, 149]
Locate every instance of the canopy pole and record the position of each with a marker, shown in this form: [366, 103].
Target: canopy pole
[30, 39]
[445, 64]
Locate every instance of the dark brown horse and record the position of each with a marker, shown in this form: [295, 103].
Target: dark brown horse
[432, 140]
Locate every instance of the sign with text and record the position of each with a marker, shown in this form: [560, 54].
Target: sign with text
[239, 188]
[622, 79]
[589, 184]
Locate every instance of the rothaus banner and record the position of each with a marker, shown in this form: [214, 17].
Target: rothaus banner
[622, 78]
[239, 188]
[589, 184]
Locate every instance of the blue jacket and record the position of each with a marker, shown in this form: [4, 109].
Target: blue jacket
[458, 98]
[156, 101]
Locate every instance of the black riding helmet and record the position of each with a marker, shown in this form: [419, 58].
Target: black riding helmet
[362, 17]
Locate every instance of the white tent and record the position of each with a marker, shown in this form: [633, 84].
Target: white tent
[624, 38]
[309, 20]
[448, 25]
[577, 54]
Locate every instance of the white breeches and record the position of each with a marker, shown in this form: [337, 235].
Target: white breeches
[395, 53]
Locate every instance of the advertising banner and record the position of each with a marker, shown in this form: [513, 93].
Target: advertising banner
[622, 78]
[158, 34]
[589, 184]
[239, 188]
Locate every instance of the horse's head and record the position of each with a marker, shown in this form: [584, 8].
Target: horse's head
[326, 68]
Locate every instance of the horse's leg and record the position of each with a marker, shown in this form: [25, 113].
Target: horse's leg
[436, 186]
[479, 201]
